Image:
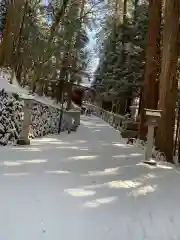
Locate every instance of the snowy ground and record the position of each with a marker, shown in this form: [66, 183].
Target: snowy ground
[87, 185]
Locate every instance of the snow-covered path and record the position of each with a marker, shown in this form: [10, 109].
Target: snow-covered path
[88, 185]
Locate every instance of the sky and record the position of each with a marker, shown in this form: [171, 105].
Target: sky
[46, 2]
[92, 43]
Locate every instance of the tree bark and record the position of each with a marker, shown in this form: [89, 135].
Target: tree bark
[75, 37]
[135, 10]
[58, 18]
[177, 130]
[168, 80]
[11, 31]
[152, 69]
[123, 31]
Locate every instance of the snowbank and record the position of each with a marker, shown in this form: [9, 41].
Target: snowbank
[10, 88]
[5, 77]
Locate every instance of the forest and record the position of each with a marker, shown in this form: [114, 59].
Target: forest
[46, 45]
[139, 57]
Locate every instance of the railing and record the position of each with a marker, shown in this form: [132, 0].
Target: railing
[118, 121]
[115, 120]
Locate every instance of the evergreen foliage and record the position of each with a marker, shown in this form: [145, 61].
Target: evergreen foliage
[122, 60]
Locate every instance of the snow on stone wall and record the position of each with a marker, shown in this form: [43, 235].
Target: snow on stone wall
[10, 118]
[44, 119]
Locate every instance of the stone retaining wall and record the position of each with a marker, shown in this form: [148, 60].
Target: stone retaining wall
[44, 119]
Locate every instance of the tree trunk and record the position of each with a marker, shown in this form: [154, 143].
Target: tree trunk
[11, 31]
[151, 82]
[75, 37]
[135, 10]
[122, 107]
[62, 78]
[60, 13]
[168, 80]
[123, 31]
[177, 130]
[19, 71]
[19, 38]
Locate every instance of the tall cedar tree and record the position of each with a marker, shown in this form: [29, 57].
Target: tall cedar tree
[152, 69]
[168, 79]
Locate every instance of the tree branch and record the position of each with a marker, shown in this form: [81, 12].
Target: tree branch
[58, 17]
